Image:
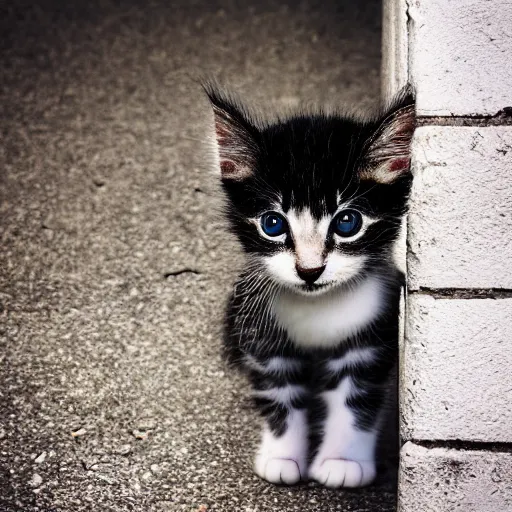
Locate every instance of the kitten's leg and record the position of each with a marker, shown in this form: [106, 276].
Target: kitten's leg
[282, 454]
[346, 454]
[282, 457]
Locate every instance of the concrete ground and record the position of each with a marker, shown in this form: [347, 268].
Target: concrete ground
[113, 264]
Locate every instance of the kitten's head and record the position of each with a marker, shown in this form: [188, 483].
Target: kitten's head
[316, 200]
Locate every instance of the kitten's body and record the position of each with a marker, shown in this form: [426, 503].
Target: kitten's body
[313, 319]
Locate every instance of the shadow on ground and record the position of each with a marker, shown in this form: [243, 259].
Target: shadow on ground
[113, 265]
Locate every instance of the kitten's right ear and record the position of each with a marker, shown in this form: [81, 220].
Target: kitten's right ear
[236, 136]
[388, 151]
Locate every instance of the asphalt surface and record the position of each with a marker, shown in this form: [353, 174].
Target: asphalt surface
[114, 267]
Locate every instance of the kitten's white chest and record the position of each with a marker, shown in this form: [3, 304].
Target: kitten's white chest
[326, 320]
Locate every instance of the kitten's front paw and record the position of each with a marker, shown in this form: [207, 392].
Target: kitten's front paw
[279, 471]
[343, 473]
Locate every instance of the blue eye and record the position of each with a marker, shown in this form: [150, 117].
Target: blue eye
[348, 223]
[273, 224]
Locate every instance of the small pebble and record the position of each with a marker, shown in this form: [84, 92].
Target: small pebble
[79, 432]
[125, 449]
[105, 478]
[41, 458]
[139, 434]
[36, 480]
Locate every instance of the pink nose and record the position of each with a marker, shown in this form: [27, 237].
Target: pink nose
[309, 275]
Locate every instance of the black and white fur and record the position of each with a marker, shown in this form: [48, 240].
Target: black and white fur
[318, 355]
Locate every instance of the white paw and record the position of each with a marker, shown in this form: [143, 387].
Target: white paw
[343, 473]
[279, 471]
[283, 459]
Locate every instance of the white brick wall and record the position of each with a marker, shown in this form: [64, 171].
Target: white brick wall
[460, 222]
[456, 355]
[459, 55]
[456, 373]
[446, 480]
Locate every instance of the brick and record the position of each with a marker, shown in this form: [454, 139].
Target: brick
[459, 56]
[455, 370]
[460, 222]
[447, 480]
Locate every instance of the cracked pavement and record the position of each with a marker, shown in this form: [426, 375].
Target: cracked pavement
[114, 265]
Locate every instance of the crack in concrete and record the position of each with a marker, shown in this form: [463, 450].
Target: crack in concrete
[180, 271]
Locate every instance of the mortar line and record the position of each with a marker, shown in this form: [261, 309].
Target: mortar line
[463, 293]
[457, 444]
[502, 118]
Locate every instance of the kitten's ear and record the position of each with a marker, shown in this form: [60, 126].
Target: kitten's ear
[388, 152]
[236, 136]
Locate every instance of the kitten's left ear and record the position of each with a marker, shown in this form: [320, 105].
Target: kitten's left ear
[388, 152]
[236, 136]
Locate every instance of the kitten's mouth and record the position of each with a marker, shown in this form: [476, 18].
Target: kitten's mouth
[315, 287]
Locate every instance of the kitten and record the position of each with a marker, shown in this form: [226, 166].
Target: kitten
[317, 203]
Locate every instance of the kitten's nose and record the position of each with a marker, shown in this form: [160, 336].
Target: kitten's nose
[309, 275]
